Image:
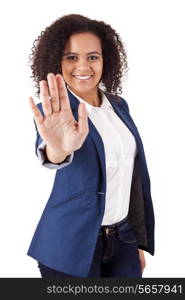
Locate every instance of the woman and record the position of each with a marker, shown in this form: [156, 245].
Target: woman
[99, 218]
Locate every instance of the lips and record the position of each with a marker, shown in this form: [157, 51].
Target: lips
[82, 77]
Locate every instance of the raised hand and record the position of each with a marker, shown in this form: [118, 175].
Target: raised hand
[58, 128]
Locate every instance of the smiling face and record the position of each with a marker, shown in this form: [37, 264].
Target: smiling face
[82, 64]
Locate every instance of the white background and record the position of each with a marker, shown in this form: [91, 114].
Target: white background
[153, 32]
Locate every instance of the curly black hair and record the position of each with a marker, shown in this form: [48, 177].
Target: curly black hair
[48, 49]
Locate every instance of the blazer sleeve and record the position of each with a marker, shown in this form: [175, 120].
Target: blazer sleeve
[40, 147]
[41, 153]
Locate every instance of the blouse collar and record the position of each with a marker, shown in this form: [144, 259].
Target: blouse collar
[105, 105]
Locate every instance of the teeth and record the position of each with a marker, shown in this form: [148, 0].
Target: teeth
[82, 77]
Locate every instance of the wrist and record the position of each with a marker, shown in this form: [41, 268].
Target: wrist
[55, 157]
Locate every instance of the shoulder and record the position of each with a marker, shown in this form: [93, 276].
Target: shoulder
[120, 101]
[124, 104]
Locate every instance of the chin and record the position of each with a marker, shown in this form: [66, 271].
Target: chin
[83, 89]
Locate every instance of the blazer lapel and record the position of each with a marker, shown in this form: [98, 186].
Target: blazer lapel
[95, 136]
[125, 117]
[98, 143]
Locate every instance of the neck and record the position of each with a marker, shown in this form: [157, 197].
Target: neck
[93, 97]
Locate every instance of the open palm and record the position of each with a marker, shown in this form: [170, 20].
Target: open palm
[58, 127]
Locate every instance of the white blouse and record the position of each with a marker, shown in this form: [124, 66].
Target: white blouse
[120, 151]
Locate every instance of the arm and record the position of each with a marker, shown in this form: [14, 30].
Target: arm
[41, 153]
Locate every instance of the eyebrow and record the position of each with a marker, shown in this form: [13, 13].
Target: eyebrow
[74, 53]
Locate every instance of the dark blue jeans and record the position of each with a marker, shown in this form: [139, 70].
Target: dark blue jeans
[116, 254]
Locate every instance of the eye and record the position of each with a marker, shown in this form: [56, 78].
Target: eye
[71, 57]
[93, 57]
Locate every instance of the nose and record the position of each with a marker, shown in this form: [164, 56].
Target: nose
[82, 64]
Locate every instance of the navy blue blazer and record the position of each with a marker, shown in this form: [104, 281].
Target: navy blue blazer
[66, 235]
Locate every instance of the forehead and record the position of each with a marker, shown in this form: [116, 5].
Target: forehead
[83, 42]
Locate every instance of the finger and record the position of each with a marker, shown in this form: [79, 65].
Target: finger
[82, 119]
[44, 96]
[63, 95]
[38, 117]
[53, 91]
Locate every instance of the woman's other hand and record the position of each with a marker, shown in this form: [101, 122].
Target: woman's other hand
[142, 260]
